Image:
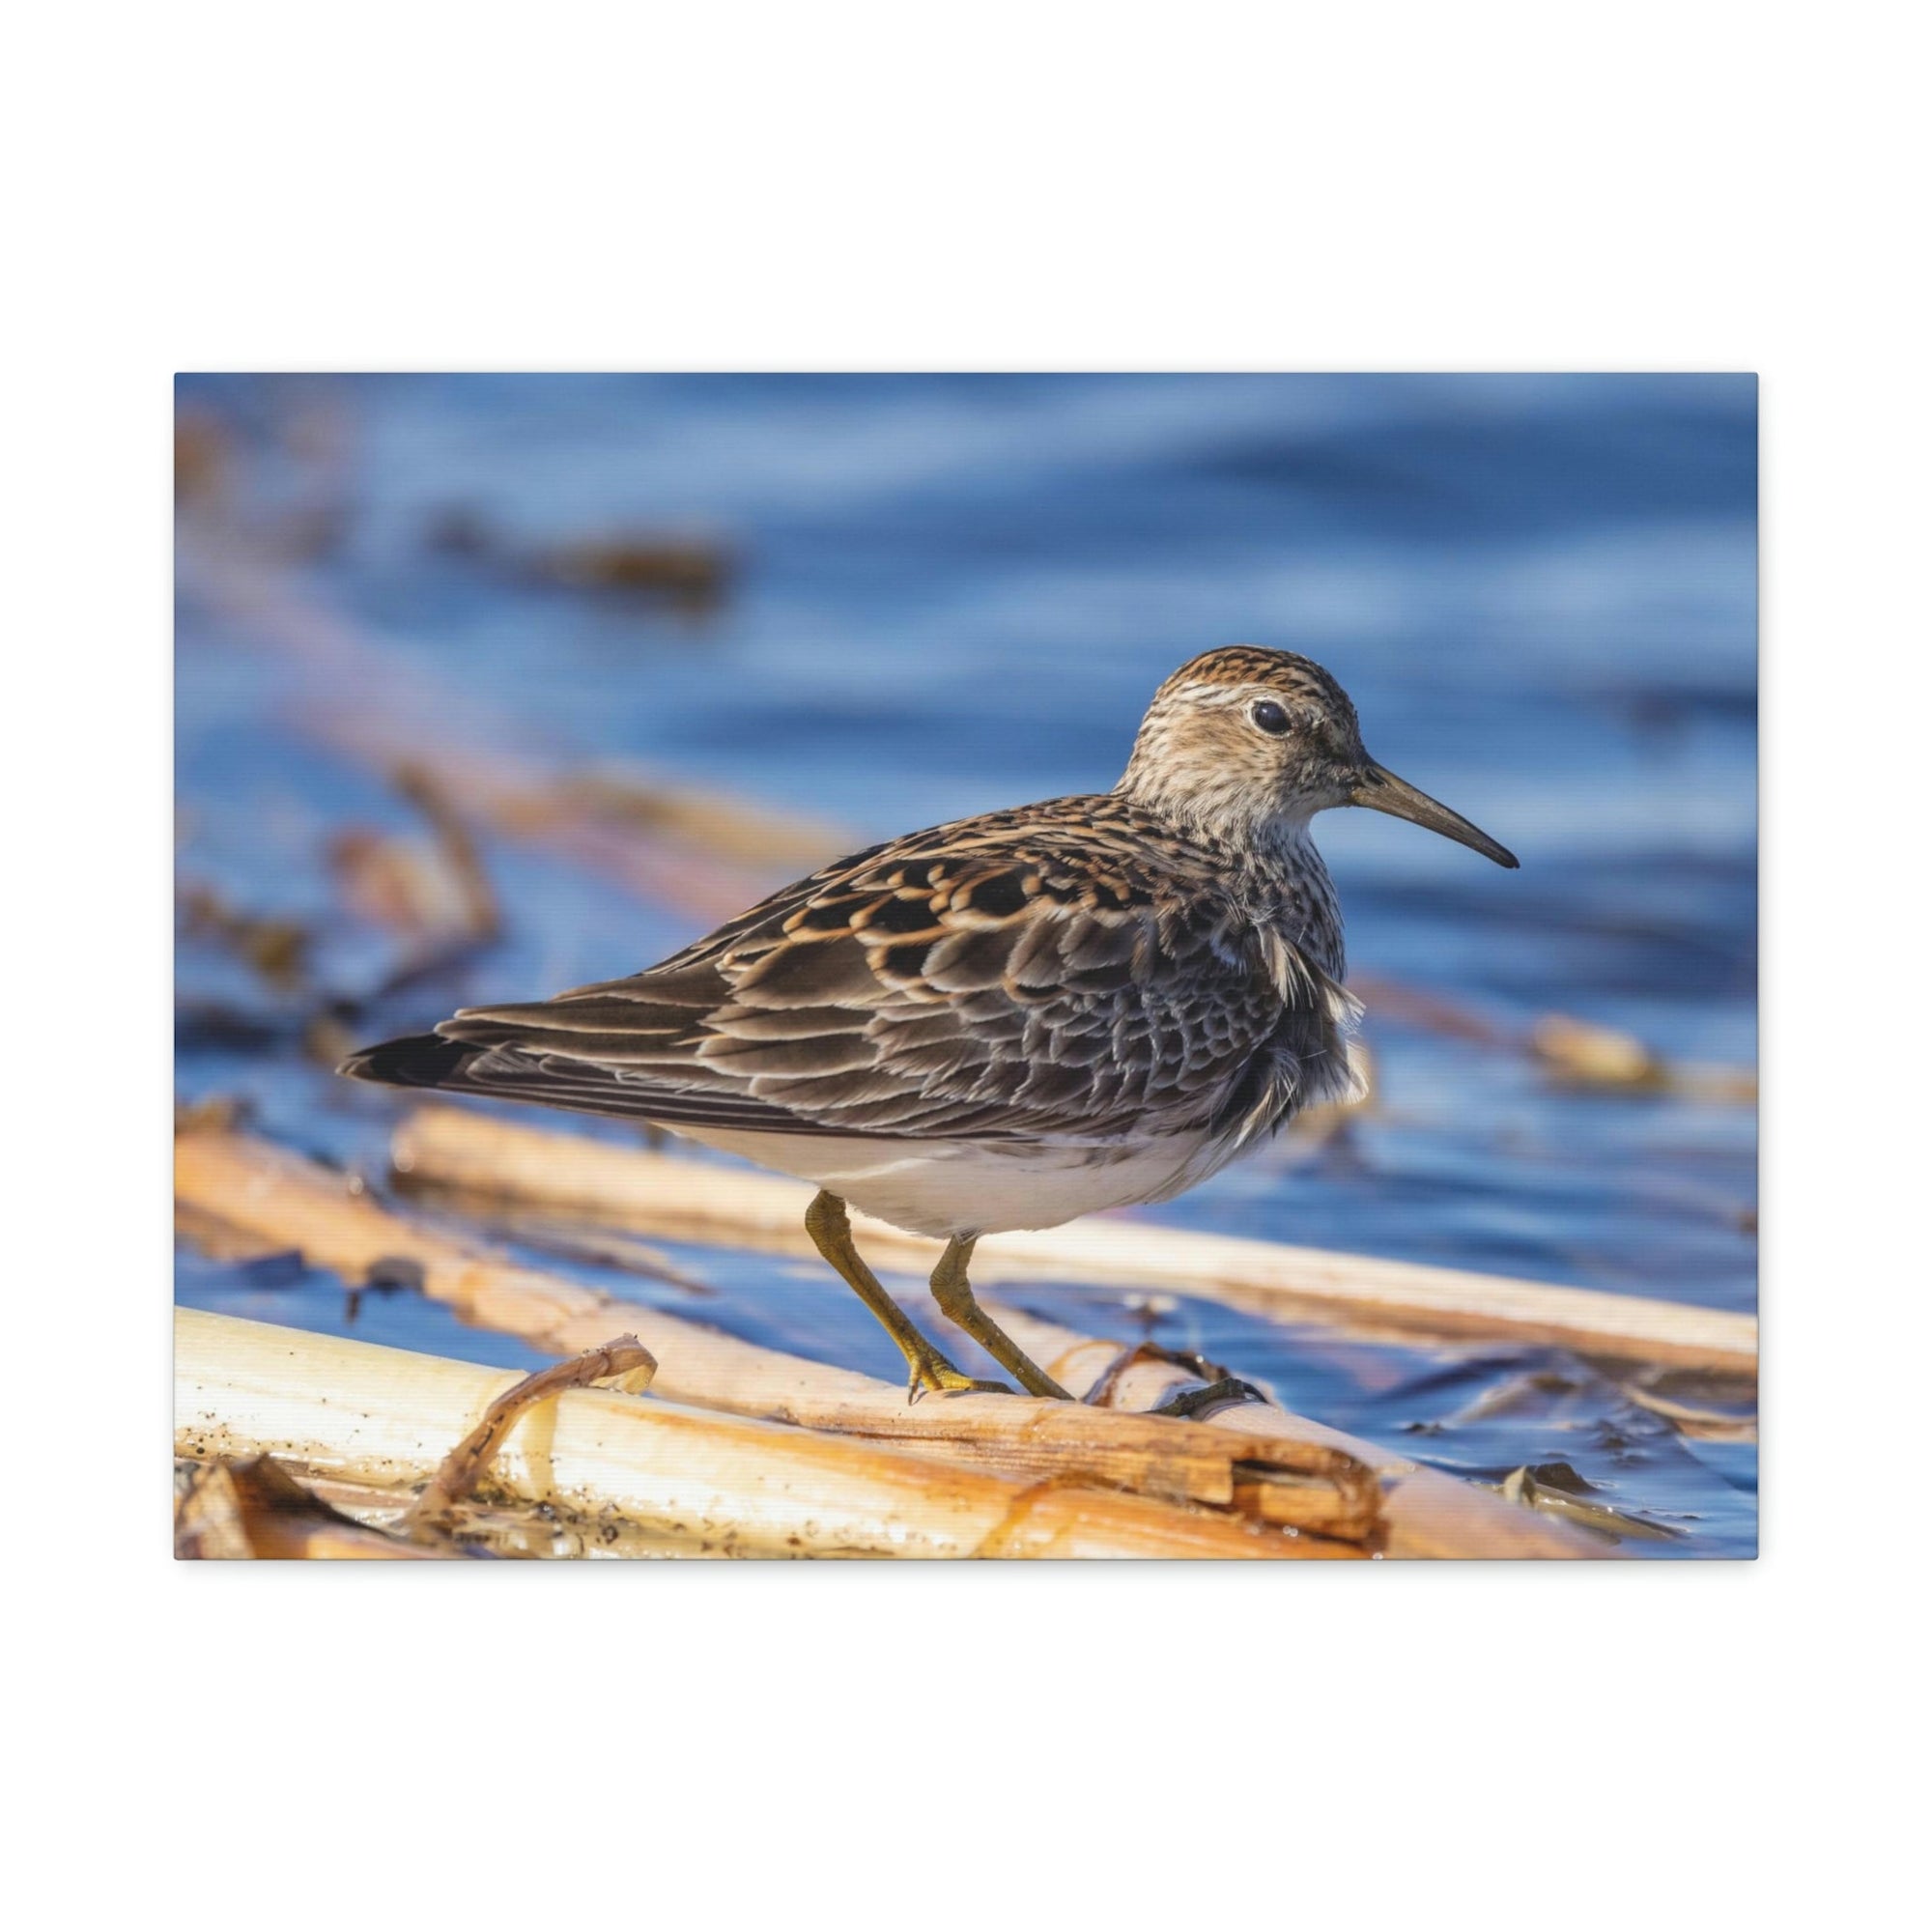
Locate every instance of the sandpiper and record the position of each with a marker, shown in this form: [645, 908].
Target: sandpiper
[1008, 1021]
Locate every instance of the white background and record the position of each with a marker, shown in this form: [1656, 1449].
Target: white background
[1402, 186]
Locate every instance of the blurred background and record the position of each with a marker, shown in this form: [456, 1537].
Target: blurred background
[487, 686]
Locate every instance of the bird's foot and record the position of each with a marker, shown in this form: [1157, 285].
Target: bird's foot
[934, 1373]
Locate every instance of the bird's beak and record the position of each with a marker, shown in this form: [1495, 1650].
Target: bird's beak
[1382, 791]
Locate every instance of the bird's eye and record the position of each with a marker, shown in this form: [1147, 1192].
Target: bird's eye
[1270, 717]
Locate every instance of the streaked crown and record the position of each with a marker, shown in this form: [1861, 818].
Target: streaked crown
[1245, 745]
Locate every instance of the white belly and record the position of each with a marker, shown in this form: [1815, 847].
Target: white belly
[944, 1189]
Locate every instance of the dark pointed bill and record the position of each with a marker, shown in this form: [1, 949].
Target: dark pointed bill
[1380, 790]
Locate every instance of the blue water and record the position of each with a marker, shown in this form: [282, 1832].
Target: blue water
[954, 593]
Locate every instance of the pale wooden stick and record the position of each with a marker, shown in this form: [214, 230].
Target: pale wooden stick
[280, 1198]
[386, 1415]
[694, 1201]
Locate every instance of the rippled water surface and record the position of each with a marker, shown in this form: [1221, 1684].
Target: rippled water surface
[954, 593]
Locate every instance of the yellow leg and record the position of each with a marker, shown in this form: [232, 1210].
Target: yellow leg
[954, 1295]
[831, 1230]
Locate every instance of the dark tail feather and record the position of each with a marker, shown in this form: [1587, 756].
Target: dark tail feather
[504, 1072]
[421, 1060]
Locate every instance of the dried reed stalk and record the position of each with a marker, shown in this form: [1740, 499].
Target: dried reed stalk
[1425, 1512]
[723, 1482]
[689, 1200]
[278, 1197]
[1286, 1470]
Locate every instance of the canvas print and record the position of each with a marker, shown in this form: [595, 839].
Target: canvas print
[966, 966]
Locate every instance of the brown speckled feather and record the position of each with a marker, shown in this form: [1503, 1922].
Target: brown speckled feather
[1076, 971]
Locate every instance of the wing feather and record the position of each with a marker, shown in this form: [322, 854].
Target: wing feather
[1012, 978]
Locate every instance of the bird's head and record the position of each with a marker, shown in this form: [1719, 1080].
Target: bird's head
[1249, 744]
